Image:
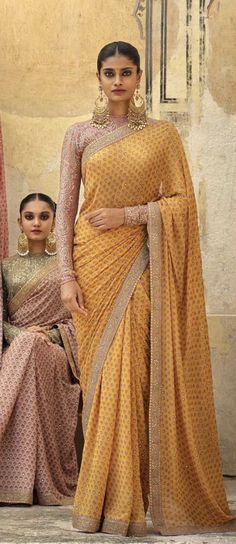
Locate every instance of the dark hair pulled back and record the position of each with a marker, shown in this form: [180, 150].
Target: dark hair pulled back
[38, 196]
[119, 48]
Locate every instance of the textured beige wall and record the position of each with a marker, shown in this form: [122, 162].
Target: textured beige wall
[212, 144]
[47, 82]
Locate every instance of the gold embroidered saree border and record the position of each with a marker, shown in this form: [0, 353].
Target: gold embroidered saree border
[68, 350]
[112, 325]
[117, 527]
[155, 242]
[85, 524]
[21, 295]
[16, 497]
[25, 496]
[227, 527]
[51, 500]
[104, 141]
[109, 526]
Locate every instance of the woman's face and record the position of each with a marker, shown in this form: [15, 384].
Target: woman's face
[119, 78]
[36, 220]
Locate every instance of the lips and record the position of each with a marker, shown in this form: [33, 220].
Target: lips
[36, 231]
[119, 91]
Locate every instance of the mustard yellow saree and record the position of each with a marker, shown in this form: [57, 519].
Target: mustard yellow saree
[148, 415]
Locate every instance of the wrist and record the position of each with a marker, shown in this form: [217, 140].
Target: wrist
[136, 215]
[123, 216]
[66, 276]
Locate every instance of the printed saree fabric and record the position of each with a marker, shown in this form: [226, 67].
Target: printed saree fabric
[39, 394]
[148, 416]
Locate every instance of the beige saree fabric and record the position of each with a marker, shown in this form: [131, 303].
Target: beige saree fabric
[38, 399]
[126, 169]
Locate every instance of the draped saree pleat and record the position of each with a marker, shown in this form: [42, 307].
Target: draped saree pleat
[140, 353]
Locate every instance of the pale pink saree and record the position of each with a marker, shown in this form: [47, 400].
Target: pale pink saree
[39, 396]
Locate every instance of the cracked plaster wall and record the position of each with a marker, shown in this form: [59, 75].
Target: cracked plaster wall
[212, 146]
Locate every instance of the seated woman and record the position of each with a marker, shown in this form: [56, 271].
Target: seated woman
[39, 389]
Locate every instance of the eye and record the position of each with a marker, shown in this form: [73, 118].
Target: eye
[44, 216]
[108, 73]
[127, 73]
[28, 216]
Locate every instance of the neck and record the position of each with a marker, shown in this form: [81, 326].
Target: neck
[119, 109]
[36, 247]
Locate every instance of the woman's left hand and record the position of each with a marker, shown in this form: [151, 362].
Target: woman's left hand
[106, 218]
[40, 331]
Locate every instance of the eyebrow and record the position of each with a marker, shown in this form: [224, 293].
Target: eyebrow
[126, 68]
[33, 213]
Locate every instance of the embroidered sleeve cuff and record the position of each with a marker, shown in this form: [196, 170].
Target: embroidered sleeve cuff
[66, 276]
[136, 215]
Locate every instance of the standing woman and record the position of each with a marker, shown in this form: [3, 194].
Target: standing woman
[148, 411]
[39, 391]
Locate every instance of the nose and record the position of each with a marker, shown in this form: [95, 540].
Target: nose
[117, 81]
[36, 221]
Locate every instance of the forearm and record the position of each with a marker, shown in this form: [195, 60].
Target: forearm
[65, 230]
[67, 204]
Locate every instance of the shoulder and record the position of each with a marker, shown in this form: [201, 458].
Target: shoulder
[9, 262]
[75, 131]
[162, 125]
[78, 128]
[79, 135]
[164, 130]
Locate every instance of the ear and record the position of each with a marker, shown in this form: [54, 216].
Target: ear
[139, 75]
[98, 77]
[19, 223]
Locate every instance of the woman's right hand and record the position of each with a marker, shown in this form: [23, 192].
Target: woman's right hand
[72, 297]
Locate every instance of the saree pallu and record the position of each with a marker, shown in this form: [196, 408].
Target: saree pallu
[145, 373]
[38, 399]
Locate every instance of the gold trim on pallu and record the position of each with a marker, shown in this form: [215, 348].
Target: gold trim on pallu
[68, 350]
[111, 138]
[23, 293]
[104, 141]
[112, 325]
[155, 241]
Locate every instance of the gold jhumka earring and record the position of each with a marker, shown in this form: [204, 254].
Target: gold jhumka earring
[137, 117]
[50, 247]
[22, 245]
[100, 117]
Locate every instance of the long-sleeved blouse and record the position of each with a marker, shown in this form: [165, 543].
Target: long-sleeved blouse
[77, 137]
